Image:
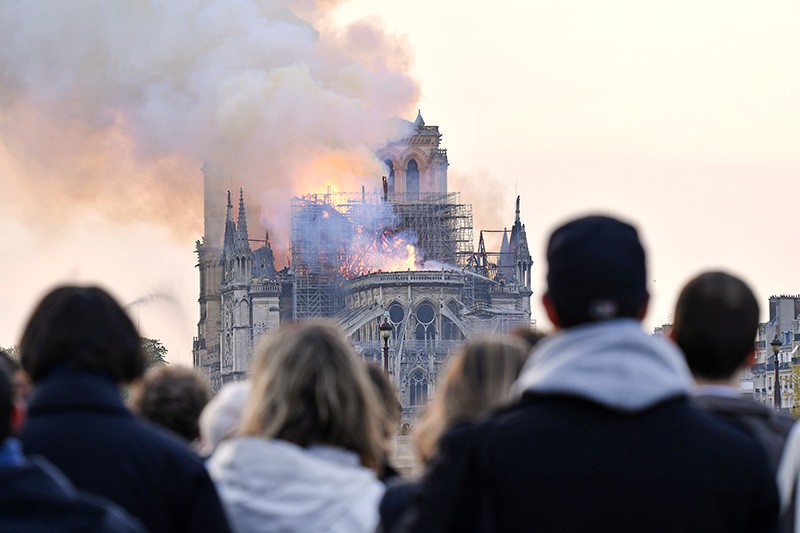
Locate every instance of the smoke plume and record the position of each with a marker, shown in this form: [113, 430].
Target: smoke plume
[115, 105]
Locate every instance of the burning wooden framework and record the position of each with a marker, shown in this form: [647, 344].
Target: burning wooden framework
[339, 236]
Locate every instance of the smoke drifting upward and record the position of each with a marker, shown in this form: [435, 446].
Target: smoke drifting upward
[495, 210]
[114, 105]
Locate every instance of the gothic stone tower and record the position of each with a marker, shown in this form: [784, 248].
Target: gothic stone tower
[205, 348]
[416, 165]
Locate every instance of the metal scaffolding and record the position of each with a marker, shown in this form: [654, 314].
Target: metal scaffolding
[331, 232]
[442, 224]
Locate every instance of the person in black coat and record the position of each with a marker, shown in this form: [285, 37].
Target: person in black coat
[78, 347]
[604, 436]
[34, 495]
[716, 321]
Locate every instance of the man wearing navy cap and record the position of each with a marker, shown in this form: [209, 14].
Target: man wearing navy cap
[604, 436]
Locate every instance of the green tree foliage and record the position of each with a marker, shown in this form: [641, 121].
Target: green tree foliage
[155, 352]
[795, 381]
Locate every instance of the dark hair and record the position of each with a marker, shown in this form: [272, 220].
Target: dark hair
[85, 327]
[596, 271]
[6, 400]
[172, 397]
[716, 320]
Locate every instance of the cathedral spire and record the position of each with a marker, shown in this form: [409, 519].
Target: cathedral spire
[481, 253]
[241, 233]
[505, 260]
[229, 243]
[516, 219]
[419, 122]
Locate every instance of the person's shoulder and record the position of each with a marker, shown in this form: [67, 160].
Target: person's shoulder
[166, 446]
[108, 517]
[730, 442]
[55, 503]
[395, 501]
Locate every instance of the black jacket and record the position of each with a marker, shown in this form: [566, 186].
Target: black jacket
[768, 427]
[77, 421]
[36, 497]
[562, 464]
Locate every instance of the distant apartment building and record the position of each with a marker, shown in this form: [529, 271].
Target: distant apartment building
[777, 341]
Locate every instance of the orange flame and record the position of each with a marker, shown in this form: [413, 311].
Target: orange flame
[406, 261]
[386, 252]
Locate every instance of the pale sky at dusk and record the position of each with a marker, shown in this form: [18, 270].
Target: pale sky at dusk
[681, 117]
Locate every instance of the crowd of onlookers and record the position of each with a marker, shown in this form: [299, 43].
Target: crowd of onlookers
[595, 427]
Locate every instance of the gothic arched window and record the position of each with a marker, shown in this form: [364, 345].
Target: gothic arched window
[426, 329]
[390, 177]
[412, 179]
[418, 388]
[396, 313]
[449, 329]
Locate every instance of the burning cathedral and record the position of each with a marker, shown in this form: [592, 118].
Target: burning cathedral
[402, 256]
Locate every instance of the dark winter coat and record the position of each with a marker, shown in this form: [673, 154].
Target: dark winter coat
[36, 497]
[768, 427]
[77, 421]
[604, 438]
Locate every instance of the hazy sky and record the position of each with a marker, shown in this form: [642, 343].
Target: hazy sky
[681, 117]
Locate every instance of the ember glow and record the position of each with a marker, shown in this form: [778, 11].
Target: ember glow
[384, 251]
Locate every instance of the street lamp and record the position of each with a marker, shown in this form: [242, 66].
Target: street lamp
[776, 345]
[386, 332]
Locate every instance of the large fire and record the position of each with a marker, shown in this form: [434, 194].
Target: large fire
[383, 252]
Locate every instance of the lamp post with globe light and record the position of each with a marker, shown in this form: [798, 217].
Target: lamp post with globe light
[776, 345]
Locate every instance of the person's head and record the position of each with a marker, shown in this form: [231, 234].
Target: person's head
[477, 381]
[392, 410]
[222, 416]
[172, 397]
[309, 387]
[85, 328]
[716, 319]
[595, 271]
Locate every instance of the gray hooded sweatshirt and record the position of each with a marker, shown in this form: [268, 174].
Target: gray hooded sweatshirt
[612, 363]
[273, 485]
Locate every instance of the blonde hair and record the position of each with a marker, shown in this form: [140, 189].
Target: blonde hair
[476, 382]
[308, 387]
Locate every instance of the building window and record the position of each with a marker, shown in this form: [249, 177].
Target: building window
[449, 329]
[390, 177]
[425, 329]
[425, 313]
[412, 179]
[418, 390]
[396, 313]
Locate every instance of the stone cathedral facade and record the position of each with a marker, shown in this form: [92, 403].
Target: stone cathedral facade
[403, 253]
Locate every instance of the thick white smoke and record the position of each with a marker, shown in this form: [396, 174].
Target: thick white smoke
[110, 108]
[114, 105]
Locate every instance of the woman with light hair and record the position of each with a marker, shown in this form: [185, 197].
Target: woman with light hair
[476, 382]
[310, 444]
